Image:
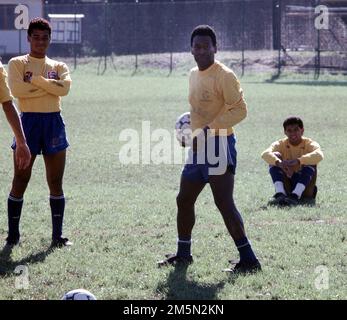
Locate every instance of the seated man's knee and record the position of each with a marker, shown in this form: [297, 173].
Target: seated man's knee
[311, 170]
[276, 173]
[309, 179]
[275, 169]
[307, 174]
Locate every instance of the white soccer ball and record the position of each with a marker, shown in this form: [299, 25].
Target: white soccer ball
[183, 129]
[78, 294]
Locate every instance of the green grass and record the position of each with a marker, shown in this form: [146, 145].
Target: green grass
[122, 219]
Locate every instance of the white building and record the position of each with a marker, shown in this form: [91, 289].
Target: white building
[14, 18]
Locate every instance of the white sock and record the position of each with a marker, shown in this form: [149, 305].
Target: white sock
[299, 189]
[279, 187]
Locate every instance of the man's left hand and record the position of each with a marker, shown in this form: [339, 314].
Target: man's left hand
[200, 139]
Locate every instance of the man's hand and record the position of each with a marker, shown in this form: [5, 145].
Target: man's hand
[288, 166]
[22, 155]
[289, 170]
[22, 152]
[200, 139]
[282, 164]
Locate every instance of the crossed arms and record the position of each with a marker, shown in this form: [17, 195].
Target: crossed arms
[25, 86]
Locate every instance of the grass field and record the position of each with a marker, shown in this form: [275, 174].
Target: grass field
[122, 219]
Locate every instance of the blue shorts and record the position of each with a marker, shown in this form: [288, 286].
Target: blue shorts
[219, 155]
[44, 132]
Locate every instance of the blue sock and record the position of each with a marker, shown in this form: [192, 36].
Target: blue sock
[184, 247]
[245, 250]
[57, 204]
[14, 210]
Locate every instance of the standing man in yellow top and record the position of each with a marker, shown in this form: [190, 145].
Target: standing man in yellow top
[217, 104]
[293, 163]
[22, 154]
[38, 83]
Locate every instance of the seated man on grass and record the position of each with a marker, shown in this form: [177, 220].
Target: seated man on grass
[293, 164]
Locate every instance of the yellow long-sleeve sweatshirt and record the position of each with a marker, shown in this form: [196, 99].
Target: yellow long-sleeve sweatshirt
[308, 152]
[216, 98]
[5, 94]
[50, 80]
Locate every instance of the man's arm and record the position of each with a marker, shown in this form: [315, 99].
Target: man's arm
[314, 156]
[22, 153]
[273, 156]
[20, 88]
[235, 107]
[58, 87]
[270, 155]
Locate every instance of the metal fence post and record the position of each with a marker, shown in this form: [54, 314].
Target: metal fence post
[136, 55]
[318, 50]
[243, 37]
[75, 36]
[279, 36]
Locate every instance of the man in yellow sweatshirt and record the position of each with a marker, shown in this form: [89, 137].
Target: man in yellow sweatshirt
[38, 83]
[217, 104]
[22, 153]
[293, 164]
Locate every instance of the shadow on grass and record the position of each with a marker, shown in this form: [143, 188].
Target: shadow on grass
[308, 82]
[179, 287]
[7, 265]
[307, 202]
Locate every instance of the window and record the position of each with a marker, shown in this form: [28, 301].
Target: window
[66, 28]
[72, 31]
[58, 31]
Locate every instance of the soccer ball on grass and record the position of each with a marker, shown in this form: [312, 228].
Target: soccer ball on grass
[78, 294]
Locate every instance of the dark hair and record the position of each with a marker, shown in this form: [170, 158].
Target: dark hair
[204, 30]
[293, 120]
[39, 23]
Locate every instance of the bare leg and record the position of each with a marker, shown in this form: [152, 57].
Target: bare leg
[55, 166]
[222, 188]
[21, 178]
[189, 192]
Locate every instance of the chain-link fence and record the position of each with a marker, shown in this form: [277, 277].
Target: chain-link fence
[140, 28]
[313, 35]
[252, 35]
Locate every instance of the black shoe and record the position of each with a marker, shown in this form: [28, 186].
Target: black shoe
[173, 260]
[315, 190]
[245, 267]
[11, 242]
[292, 200]
[61, 242]
[278, 199]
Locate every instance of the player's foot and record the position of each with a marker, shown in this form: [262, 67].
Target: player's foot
[292, 200]
[278, 199]
[315, 190]
[243, 267]
[173, 260]
[11, 242]
[61, 242]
